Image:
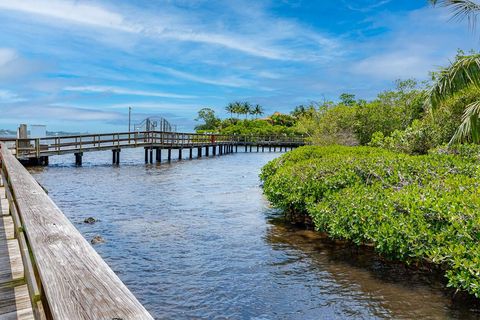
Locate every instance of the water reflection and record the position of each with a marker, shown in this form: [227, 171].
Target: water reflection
[196, 239]
[391, 290]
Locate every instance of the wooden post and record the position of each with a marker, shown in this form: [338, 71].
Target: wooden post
[151, 155]
[169, 157]
[236, 148]
[116, 153]
[199, 152]
[214, 150]
[78, 158]
[245, 147]
[191, 153]
[146, 155]
[263, 148]
[159, 155]
[207, 151]
[180, 154]
[250, 148]
[269, 148]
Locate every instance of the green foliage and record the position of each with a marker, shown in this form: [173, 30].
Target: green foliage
[461, 75]
[207, 115]
[254, 127]
[347, 99]
[411, 208]
[429, 131]
[391, 110]
[329, 125]
[352, 122]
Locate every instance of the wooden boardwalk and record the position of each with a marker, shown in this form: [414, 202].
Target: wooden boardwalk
[47, 269]
[15, 300]
[37, 151]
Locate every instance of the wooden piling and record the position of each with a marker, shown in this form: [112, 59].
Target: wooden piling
[78, 158]
[180, 154]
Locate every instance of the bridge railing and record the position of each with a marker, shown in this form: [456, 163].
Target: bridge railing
[66, 277]
[89, 142]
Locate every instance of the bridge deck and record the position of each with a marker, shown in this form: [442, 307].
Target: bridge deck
[15, 301]
[44, 147]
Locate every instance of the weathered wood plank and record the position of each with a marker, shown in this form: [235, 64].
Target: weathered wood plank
[77, 282]
[11, 266]
[4, 206]
[7, 228]
[15, 304]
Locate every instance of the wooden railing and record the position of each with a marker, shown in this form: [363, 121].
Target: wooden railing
[66, 277]
[91, 142]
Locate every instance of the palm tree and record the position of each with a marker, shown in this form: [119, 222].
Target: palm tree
[230, 108]
[236, 107]
[246, 107]
[462, 73]
[462, 9]
[257, 110]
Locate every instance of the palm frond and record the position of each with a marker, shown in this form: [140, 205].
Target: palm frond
[462, 9]
[459, 75]
[469, 130]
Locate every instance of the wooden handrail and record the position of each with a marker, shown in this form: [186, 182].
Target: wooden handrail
[69, 144]
[75, 281]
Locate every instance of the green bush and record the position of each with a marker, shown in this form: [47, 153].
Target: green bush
[410, 208]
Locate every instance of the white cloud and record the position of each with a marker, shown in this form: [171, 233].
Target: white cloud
[260, 35]
[123, 91]
[48, 112]
[72, 11]
[417, 43]
[226, 82]
[395, 65]
[6, 56]
[366, 8]
[9, 97]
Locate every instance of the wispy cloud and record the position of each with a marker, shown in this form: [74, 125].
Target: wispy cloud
[226, 82]
[64, 112]
[6, 55]
[71, 11]
[266, 42]
[9, 97]
[123, 91]
[366, 8]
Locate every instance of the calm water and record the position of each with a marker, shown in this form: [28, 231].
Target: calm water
[197, 240]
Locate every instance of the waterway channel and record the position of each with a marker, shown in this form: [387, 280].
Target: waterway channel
[196, 239]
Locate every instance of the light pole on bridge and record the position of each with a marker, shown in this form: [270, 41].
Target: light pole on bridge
[129, 118]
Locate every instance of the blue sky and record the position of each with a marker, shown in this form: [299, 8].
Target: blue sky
[79, 65]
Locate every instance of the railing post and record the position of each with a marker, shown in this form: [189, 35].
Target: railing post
[37, 147]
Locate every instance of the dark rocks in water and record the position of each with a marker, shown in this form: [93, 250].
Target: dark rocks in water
[97, 240]
[90, 220]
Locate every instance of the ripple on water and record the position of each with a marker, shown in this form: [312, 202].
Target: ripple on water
[196, 239]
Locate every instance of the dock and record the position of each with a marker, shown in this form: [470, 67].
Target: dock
[37, 151]
[15, 300]
[47, 269]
